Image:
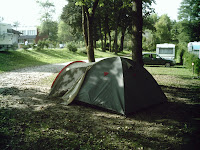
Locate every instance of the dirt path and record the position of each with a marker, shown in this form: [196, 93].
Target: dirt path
[31, 75]
[28, 76]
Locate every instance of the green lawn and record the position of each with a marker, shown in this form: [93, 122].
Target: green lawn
[11, 60]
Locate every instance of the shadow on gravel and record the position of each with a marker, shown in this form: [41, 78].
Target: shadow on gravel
[32, 121]
[9, 91]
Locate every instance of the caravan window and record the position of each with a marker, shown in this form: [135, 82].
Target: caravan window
[166, 51]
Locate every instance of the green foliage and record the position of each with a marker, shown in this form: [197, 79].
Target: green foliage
[49, 29]
[3, 49]
[181, 48]
[40, 45]
[158, 30]
[46, 44]
[14, 46]
[110, 16]
[25, 47]
[34, 46]
[82, 51]
[72, 47]
[47, 9]
[67, 33]
[54, 44]
[72, 18]
[149, 41]
[189, 16]
[191, 58]
[163, 28]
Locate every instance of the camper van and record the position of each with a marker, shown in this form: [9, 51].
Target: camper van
[194, 47]
[166, 50]
[8, 36]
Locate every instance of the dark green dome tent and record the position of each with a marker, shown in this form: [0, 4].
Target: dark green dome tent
[116, 84]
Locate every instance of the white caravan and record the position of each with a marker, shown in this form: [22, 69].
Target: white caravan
[194, 47]
[8, 36]
[166, 50]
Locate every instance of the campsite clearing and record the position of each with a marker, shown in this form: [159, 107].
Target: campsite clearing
[30, 120]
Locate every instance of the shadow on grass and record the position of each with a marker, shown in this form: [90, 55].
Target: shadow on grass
[179, 120]
[190, 93]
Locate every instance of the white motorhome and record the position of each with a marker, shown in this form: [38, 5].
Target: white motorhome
[194, 47]
[8, 36]
[166, 50]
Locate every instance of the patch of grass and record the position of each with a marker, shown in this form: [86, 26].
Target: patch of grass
[177, 76]
[175, 71]
[11, 60]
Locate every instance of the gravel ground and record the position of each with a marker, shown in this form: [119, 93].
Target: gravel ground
[22, 88]
[28, 76]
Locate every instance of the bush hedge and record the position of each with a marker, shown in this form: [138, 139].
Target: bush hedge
[190, 58]
[72, 47]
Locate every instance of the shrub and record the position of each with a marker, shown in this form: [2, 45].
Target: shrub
[181, 48]
[25, 47]
[34, 46]
[54, 44]
[46, 43]
[72, 47]
[14, 46]
[40, 45]
[190, 58]
[82, 51]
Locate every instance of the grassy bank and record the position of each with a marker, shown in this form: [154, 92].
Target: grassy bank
[11, 60]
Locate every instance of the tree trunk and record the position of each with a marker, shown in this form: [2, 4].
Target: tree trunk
[84, 26]
[95, 44]
[122, 39]
[105, 41]
[181, 57]
[115, 47]
[110, 45]
[101, 35]
[137, 32]
[90, 19]
[90, 48]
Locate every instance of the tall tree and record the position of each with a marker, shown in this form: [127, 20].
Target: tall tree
[189, 15]
[66, 33]
[150, 40]
[72, 16]
[127, 14]
[136, 31]
[88, 12]
[163, 29]
[48, 26]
